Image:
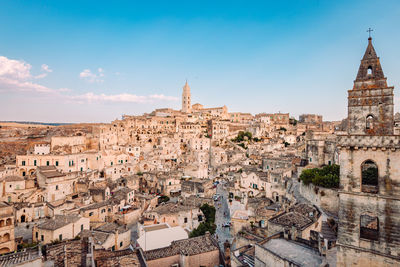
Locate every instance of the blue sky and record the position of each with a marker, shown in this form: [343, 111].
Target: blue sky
[92, 61]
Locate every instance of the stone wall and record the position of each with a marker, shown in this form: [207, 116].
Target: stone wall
[324, 198]
[347, 256]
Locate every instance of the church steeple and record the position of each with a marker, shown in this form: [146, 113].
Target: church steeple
[370, 102]
[370, 68]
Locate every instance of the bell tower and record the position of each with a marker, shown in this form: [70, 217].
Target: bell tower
[369, 156]
[186, 103]
[370, 102]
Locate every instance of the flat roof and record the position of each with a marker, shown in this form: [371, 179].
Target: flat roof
[293, 252]
[155, 227]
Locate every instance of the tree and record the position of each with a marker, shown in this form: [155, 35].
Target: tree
[327, 176]
[209, 224]
[209, 212]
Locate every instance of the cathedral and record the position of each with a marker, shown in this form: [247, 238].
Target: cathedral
[369, 155]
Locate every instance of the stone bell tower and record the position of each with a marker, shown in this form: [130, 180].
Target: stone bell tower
[369, 156]
[370, 102]
[186, 103]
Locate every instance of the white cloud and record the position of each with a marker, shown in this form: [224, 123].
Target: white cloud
[46, 68]
[127, 98]
[91, 77]
[15, 75]
[14, 69]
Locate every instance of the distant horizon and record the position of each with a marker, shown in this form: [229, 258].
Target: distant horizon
[94, 61]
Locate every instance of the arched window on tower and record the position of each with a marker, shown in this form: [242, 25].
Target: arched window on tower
[369, 124]
[369, 177]
[369, 71]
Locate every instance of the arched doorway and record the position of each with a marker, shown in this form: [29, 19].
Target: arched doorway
[22, 218]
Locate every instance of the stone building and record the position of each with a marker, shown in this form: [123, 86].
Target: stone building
[176, 215]
[7, 242]
[59, 228]
[196, 251]
[369, 195]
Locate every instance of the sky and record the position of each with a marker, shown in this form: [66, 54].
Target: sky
[93, 61]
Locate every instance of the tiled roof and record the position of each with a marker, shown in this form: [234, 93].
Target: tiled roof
[190, 246]
[58, 222]
[172, 208]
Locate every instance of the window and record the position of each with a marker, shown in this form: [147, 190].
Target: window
[34, 162]
[47, 163]
[23, 163]
[200, 217]
[369, 122]
[90, 214]
[185, 220]
[113, 248]
[120, 244]
[42, 237]
[60, 237]
[369, 227]
[37, 235]
[369, 70]
[81, 227]
[56, 187]
[56, 163]
[369, 177]
[23, 173]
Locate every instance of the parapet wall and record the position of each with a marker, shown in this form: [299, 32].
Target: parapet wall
[372, 141]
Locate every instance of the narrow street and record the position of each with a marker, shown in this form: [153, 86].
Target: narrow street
[222, 216]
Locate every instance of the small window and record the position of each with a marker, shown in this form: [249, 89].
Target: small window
[185, 220]
[121, 243]
[56, 163]
[56, 187]
[47, 163]
[81, 227]
[369, 227]
[23, 163]
[42, 237]
[37, 235]
[90, 214]
[369, 70]
[34, 162]
[369, 123]
[60, 237]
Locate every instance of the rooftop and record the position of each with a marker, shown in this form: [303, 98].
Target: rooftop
[172, 208]
[296, 253]
[291, 219]
[58, 222]
[189, 246]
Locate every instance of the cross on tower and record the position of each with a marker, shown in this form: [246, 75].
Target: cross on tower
[369, 32]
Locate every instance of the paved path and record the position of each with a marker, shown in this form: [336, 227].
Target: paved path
[222, 216]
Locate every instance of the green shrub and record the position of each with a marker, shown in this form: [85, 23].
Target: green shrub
[327, 177]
